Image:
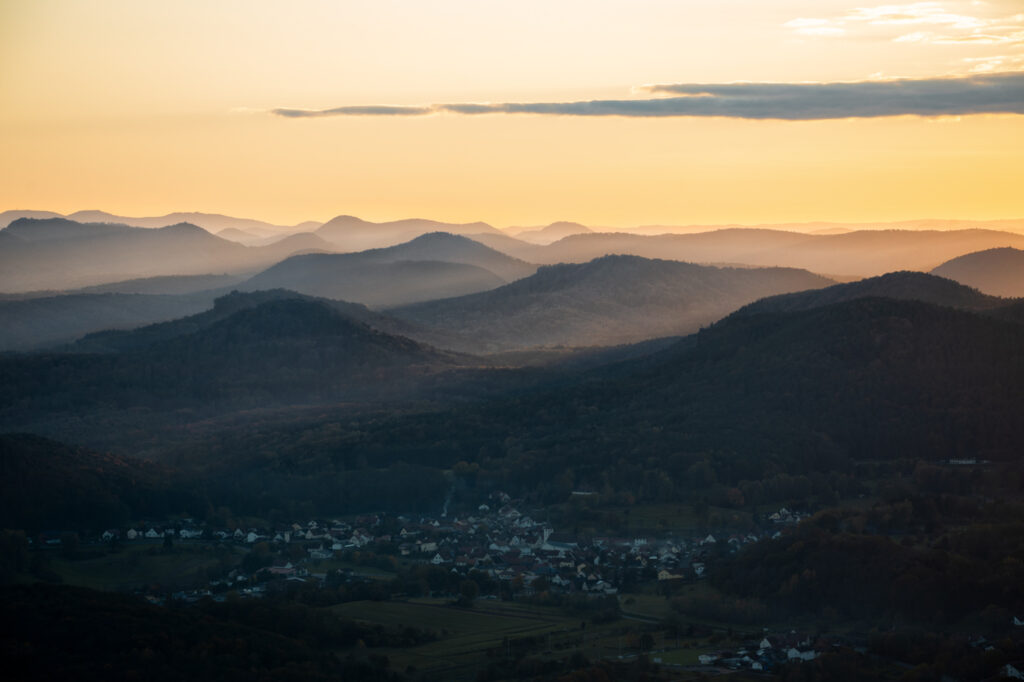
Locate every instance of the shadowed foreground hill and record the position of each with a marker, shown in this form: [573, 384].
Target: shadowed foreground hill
[999, 272]
[432, 266]
[611, 300]
[103, 636]
[45, 484]
[756, 402]
[781, 392]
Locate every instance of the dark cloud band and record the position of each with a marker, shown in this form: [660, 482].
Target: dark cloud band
[982, 94]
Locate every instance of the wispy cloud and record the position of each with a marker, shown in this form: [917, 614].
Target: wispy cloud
[926, 23]
[1001, 93]
[372, 110]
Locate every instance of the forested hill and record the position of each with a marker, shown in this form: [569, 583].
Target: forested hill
[607, 301]
[994, 271]
[45, 485]
[904, 285]
[749, 398]
[224, 307]
[278, 352]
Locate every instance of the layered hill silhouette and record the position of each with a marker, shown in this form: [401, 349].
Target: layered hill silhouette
[211, 222]
[58, 253]
[553, 232]
[999, 271]
[281, 351]
[608, 301]
[907, 286]
[350, 233]
[54, 320]
[435, 265]
[223, 307]
[8, 217]
[861, 253]
[167, 284]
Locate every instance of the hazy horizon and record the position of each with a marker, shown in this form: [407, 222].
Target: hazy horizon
[810, 225]
[627, 113]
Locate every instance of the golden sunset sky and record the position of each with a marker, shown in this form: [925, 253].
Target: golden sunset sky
[143, 108]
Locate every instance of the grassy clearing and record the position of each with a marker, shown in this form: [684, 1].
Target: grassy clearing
[684, 656]
[645, 606]
[328, 565]
[466, 634]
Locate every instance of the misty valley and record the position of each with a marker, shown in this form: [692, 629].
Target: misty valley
[419, 450]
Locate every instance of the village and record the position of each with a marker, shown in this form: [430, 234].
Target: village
[501, 542]
[503, 549]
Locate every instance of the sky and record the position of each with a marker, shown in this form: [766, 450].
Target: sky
[606, 112]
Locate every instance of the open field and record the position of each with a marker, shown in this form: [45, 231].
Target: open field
[470, 636]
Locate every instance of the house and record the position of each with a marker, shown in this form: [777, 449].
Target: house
[132, 534]
[152, 534]
[1012, 672]
[665, 574]
[707, 659]
[108, 535]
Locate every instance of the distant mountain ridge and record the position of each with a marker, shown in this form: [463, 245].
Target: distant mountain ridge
[58, 253]
[211, 222]
[435, 265]
[862, 253]
[998, 271]
[553, 232]
[355, 234]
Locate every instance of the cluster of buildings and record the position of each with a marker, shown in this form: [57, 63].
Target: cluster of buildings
[498, 540]
[766, 654]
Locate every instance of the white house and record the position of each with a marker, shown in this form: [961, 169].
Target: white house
[1012, 672]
